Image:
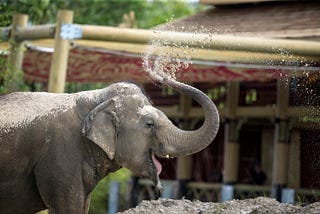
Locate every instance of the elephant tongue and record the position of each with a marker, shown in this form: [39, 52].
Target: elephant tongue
[156, 163]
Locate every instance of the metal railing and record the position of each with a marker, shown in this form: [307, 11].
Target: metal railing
[213, 192]
[244, 191]
[205, 191]
[306, 196]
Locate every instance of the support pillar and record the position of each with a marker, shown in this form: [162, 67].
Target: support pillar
[280, 159]
[184, 175]
[59, 63]
[281, 141]
[231, 146]
[13, 73]
[184, 168]
[231, 153]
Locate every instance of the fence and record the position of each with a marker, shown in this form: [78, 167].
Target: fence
[213, 192]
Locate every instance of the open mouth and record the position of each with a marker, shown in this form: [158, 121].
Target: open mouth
[156, 163]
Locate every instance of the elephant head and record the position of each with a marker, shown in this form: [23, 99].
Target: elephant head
[132, 132]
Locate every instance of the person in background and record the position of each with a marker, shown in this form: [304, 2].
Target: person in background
[257, 175]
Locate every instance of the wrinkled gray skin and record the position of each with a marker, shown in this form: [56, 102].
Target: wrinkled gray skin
[54, 148]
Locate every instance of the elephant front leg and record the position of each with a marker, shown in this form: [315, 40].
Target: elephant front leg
[69, 204]
[60, 199]
[62, 196]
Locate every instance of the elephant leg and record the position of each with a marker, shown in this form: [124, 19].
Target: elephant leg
[79, 207]
[68, 205]
[61, 193]
[61, 200]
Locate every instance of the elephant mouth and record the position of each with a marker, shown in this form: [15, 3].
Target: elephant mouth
[157, 168]
[156, 163]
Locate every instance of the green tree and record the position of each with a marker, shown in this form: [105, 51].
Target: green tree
[97, 12]
[100, 195]
[148, 14]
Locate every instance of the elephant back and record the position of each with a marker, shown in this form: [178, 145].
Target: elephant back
[20, 109]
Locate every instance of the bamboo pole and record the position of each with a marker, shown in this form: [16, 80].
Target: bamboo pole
[249, 112]
[207, 56]
[14, 66]
[36, 32]
[281, 140]
[218, 42]
[200, 40]
[184, 164]
[59, 63]
[231, 144]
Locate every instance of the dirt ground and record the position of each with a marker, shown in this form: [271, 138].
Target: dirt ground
[247, 206]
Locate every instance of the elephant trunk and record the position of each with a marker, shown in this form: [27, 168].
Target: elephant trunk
[176, 142]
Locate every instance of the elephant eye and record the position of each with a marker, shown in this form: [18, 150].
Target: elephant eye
[149, 123]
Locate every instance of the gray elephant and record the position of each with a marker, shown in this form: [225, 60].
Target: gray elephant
[56, 147]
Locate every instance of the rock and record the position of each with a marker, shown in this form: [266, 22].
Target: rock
[248, 206]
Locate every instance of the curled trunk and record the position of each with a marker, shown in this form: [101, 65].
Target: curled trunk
[176, 142]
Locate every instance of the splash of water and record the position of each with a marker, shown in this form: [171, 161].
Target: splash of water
[164, 59]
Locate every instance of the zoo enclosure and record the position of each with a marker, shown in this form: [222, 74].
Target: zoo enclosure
[229, 47]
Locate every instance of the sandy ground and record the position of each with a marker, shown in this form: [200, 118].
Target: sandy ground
[248, 206]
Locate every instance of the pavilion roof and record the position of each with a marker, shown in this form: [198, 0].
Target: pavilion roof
[275, 19]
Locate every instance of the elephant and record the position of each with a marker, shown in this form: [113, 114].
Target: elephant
[56, 147]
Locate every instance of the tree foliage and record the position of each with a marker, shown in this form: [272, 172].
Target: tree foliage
[148, 13]
[110, 12]
[100, 195]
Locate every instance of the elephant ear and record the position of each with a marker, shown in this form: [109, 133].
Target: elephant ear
[100, 127]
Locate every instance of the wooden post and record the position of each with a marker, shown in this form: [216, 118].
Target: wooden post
[59, 63]
[185, 163]
[14, 73]
[281, 140]
[231, 153]
[184, 167]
